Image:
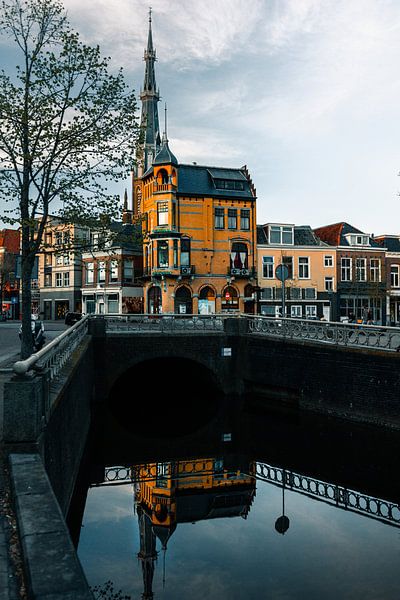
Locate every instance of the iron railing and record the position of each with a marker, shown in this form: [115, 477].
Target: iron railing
[330, 493]
[145, 323]
[336, 495]
[341, 334]
[54, 355]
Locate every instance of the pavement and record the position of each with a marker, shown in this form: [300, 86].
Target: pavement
[12, 584]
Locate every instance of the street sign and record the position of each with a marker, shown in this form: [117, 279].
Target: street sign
[282, 272]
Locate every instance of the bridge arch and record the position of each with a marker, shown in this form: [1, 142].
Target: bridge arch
[164, 396]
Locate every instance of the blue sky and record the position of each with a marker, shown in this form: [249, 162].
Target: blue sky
[304, 92]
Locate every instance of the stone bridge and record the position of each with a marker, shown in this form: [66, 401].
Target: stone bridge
[153, 367]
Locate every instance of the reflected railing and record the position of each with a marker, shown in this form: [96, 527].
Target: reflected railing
[337, 496]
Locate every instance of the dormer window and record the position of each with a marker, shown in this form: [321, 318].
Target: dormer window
[228, 184]
[357, 239]
[281, 234]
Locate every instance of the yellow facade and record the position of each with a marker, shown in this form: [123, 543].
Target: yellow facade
[199, 248]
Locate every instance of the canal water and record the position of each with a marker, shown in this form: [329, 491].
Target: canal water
[264, 505]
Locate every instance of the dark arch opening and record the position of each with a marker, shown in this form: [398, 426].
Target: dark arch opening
[165, 397]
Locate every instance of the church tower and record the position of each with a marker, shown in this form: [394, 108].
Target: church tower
[149, 123]
[150, 96]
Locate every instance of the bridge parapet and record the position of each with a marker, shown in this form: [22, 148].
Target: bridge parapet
[169, 323]
[339, 334]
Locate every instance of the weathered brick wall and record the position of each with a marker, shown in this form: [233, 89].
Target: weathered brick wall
[353, 383]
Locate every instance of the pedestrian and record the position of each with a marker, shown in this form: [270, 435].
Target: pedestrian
[369, 317]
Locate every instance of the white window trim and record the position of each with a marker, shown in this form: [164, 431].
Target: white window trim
[332, 279]
[307, 265]
[268, 263]
[328, 257]
[296, 308]
[281, 228]
[397, 267]
[311, 308]
[373, 270]
[361, 269]
[341, 268]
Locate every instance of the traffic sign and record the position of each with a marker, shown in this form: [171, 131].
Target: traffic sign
[282, 272]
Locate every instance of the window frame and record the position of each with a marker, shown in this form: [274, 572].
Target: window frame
[361, 268]
[162, 213]
[304, 270]
[394, 275]
[268, 265]
[232, 218]
[245, 219]
[219, 217]
[281, 230]
[346, 269]
[375, 270]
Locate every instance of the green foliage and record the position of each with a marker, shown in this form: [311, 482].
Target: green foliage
[67, 125]
[68, 128]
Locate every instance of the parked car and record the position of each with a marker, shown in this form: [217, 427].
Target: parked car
[72, 317]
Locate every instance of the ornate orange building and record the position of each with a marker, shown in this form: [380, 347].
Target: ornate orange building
[199, 223]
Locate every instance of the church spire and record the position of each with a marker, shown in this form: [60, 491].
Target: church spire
[150, 96]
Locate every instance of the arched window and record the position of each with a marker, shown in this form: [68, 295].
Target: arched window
[230, 298]
[183, 301]
[154, 301]
[239, 256]
[162, 177]
[207, 301]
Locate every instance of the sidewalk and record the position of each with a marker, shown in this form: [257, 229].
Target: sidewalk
[12, 586]
[11, 578]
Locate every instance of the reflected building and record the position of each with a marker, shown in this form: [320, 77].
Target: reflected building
[170, 493]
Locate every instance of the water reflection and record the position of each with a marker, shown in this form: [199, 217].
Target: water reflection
[169, 493]
[166, 522]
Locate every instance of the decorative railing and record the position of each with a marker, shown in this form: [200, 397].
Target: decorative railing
[330, 493]
[346, 499]
[165, 323]
[341, 334]
[54, 355]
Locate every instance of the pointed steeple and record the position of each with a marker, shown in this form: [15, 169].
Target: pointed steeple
[150, 96]
[148, 553]
[165, 156]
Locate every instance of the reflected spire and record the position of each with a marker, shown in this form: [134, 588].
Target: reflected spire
[147, 554]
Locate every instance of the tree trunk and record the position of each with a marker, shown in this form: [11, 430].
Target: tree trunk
[26, 273]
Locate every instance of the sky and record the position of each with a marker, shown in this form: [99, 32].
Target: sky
[304, 92]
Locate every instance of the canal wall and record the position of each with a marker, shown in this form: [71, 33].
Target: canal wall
[45, 430]
[351, 383]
